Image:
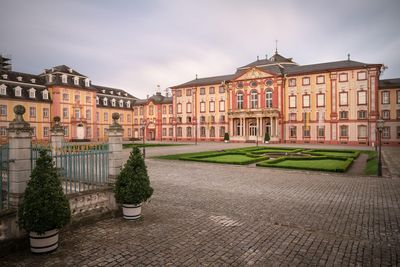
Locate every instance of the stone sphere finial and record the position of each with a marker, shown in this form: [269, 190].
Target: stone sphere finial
[19, 110]
[57, 119]
[115, 116]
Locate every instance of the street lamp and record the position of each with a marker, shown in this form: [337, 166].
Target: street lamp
[379, 127]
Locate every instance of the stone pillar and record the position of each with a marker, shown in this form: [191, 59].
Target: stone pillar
[57, 135]
[19, 138]
[115, 133]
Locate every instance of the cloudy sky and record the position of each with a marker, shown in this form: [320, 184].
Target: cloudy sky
[136, 45]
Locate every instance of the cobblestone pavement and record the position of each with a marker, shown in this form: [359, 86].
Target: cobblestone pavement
[391, 156]
[217, 215]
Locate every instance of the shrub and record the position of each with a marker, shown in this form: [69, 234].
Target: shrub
[133, 184]
[226, 136]
[44, 206]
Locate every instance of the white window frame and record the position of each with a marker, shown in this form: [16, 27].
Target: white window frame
[18, 91]
[268, 99]
[32, 93]
[45, 94]
[254, 99]
[64, 78]
[292, 101]
[3, 89]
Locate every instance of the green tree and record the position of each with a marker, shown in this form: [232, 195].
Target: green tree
[44, 206]
[133, 184]
[226, 136]
[266, 137]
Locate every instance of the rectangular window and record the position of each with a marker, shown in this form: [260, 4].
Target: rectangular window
[362, 97]
[343, 77]
[3, 110]
[88, 99]
[179, 132]
[385, 97]
[66, 130]
[222, 105]
[77, 113]
[105, 116]
[188, 92]
[398, 114]
[320, 100]
[292, 82]
[189, 107]
[88, 114]
[179, 108]
[203, 106]
[202, 131]
[151, 110]
[164, 120]
[292, 117]
[221, 90]
[3, 131]
[178, 93]
[362, 131]
[398, 97]
[45, 112]
[77, 98]
[306, 80]
[171, 132]
[129, 118]
[361, 75]
[45, 131]
[164, 110]
[321, 131]
[121, 118]
[65, 113]
[32, 112]
[135, 111]
[306, 101]
[343, 99]
[343, 115]
[164, 132]
[211, 91]
[320, 79]
[306, 131]
[292, 101]
[170, 110]
[386, 114]
[188, 131]
[344, 131]
[398, 132]
[65, 97]
[212, 106]
[386, 133]
[362, 114]
[202, 91]
[34, 131]
[293, 131]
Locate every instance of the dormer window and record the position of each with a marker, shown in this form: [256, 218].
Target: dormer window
[105, 101]
[76, 80]
[33, 80]
[111, 92]
[17, 91]
[126, 94]
[64, 78]
[45, 94]
[3, 89]
[121, 103]
[5, 76]
[97, 100]
[50, 77]
[87, 82]
[32, 93]
[118, 93]
[128, 104]
[70, 70]
[19, 78]
[103, 91]
[113, 102]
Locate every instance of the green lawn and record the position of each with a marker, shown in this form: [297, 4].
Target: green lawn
[149, 145]
[335, 153]
[227, 158]
[372, 163]
[324, 164]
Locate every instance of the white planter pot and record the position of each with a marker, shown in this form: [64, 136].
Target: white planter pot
[45, 243]
[226, 141]
[267, 142]
[131, 211]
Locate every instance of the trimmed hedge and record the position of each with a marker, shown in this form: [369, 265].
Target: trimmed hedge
[346, 153]
[210, 160]
[272, 163]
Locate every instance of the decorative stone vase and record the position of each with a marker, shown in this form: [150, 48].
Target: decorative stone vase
[267, 142]
[45, 243]
[132, 211]
[226, 141]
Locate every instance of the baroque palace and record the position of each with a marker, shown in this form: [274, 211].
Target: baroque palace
[330, 103]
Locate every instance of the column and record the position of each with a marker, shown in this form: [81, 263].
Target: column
[276, 126]
[115, 133]
[271, 126]
[19, 138]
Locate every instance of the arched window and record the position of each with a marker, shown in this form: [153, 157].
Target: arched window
[253, 128]
[222, 131]
[268, 99]
[189, 131]
[239, 100]
[254, 99]
[212, 131]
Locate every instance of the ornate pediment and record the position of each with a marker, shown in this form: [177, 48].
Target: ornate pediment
[254, 73]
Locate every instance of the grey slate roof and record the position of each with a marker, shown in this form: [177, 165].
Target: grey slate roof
[107, 90]
[206, 81]
[344, 64]
[389, 83]
[64, 69]
[158, 98]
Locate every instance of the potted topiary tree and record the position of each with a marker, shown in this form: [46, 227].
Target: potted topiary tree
[266, 138]
[226, 137]
[132, 187]
[44, 209]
